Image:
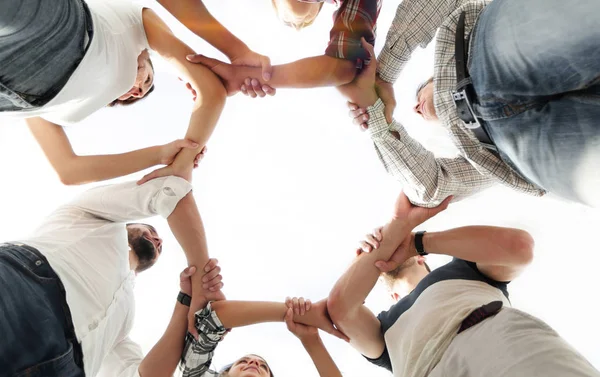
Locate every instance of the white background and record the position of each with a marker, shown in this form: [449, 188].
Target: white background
[287, 189]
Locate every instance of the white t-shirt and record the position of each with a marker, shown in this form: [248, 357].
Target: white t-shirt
[108, 69]
[86, 244]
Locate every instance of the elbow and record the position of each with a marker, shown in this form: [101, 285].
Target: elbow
[521, 245]
[338, 312]
[67, 178]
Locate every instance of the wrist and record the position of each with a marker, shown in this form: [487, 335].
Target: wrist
[184, 298]
[237, 50]
[158, 152]
[310, 340]
[369, 99]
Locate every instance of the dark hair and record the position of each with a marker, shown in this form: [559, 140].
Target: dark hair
[224, 372]
[304, 24]
[143, 249]
[422, 85]
[132, 100]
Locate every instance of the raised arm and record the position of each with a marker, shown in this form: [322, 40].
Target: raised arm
[126, 358]
[345, 303]
[75, 170]
[427, 180]
[210, 98]
[500, 253]
[312, 343]
[194, 15]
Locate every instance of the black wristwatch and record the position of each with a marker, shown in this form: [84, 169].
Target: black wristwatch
[419, 243]
[184, 299]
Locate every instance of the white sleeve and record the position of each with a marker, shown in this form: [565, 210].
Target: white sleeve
[123, 361]
[129, 201]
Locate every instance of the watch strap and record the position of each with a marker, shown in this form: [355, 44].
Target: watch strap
[184, 299]
[419, 243]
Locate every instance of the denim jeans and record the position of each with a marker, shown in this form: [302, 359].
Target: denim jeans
[535, 67]
[37, 338]
[41, 45]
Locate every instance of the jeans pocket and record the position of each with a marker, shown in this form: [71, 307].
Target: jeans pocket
[36, 268]
[12, 101]
[62, 365]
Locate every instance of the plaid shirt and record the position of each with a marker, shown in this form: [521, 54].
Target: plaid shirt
[428, 180]
[352, 20]
[197, 354]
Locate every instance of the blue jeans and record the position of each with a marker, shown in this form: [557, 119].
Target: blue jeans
[41, 45]
[535, 67]
[38, 339]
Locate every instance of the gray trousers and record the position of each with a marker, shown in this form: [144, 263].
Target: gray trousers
[512, 344]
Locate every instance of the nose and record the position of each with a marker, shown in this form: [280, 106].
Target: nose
[136, 92]
[158, 242]
[417, 109]
[254, 362]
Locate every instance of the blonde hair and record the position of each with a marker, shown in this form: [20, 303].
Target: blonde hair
[297, 26]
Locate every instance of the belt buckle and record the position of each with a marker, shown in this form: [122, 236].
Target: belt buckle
[470, 119]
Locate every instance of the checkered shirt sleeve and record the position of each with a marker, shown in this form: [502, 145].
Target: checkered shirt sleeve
[197, 354]
[426, 180]
[353, 19]
[414, 25]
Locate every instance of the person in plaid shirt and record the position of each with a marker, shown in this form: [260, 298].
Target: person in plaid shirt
[343, 58]
[213, 321]
[533, 93]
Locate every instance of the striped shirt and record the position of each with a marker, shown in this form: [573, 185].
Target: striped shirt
[428, 180]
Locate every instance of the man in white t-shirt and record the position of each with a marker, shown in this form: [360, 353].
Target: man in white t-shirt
[455, 320]
[67, 303]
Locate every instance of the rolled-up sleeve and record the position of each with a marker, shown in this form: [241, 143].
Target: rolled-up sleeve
[353, 20]
[129, 201]
[197, 354]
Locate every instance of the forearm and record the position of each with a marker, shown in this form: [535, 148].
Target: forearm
[320, 357]
[244, 313]
[211, 94]
[486, 245]
[85, 169]
[187, 227]
[353, 287]
[194, 15]
[426, 180]
[163, 358]
[316, 71]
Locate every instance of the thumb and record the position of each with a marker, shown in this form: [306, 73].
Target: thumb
[192, 324]
[204, 60]
[149, 177]
[265, 62]
[185, 143]
[367, 46]
[389, 112]
[384, 266]
[188, 272]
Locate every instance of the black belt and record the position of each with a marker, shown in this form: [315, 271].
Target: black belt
[464, 88]
[479, 314]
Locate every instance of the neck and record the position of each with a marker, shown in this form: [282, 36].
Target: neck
[409, 281]
[133, 261]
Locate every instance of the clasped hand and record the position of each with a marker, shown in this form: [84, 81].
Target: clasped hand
[405, 218]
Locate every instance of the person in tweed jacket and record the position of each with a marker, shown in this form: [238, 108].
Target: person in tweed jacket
[534, 93]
